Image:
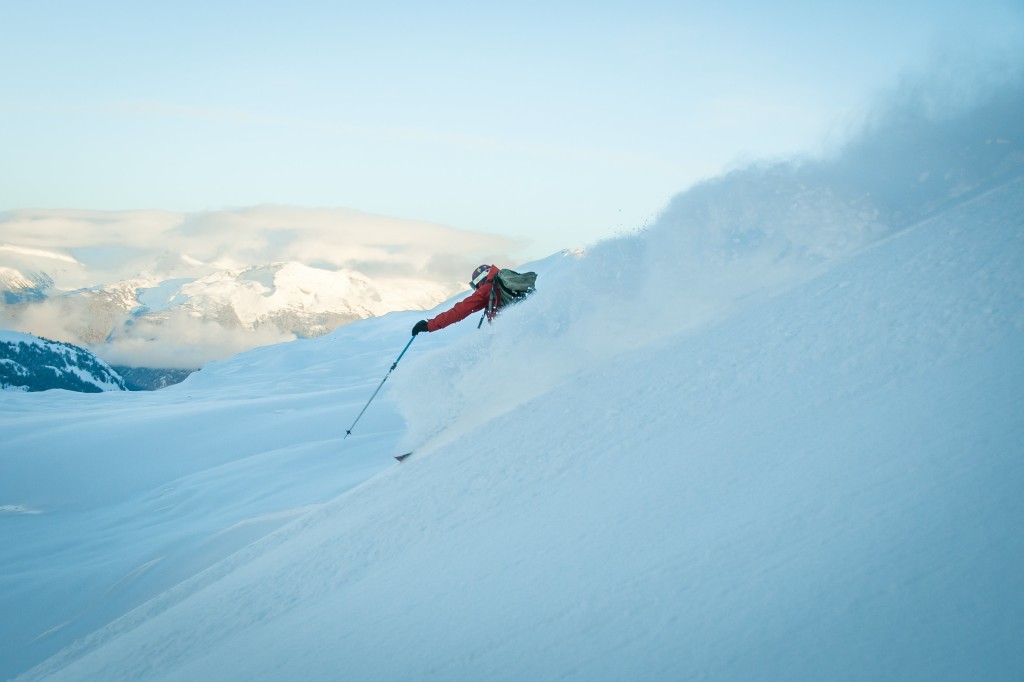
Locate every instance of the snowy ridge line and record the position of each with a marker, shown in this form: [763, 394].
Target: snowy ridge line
[975, 198]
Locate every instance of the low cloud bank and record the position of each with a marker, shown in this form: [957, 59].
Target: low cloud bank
[90, 248]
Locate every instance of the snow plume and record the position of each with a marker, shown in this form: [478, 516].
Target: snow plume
[723, 244]
[922, 148]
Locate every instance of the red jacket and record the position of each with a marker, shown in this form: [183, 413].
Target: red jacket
[473, 303]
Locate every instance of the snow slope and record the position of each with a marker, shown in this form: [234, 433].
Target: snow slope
[130, 497]
[777, 436]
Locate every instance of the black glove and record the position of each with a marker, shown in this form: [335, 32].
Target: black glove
[420, 326]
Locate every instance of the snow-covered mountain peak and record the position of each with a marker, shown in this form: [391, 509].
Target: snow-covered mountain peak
[17, 287]
[28, 363]
[259, 293]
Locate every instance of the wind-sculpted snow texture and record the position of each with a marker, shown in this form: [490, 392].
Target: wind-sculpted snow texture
[776, 436]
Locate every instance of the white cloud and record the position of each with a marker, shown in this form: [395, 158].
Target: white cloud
[338, 238]
[38, 253]
[184, 342]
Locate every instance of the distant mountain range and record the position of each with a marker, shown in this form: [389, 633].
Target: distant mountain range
[149, 379]
[17, 288]
[193, 313]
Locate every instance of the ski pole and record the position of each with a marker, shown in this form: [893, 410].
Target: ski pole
[348, 431]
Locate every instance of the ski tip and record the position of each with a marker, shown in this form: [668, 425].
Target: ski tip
[402, 457]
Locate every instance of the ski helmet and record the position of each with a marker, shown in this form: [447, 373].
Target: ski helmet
[479, 276]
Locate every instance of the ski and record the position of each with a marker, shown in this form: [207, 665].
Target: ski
[402, 457]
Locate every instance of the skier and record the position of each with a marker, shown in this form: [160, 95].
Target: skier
[484, 297]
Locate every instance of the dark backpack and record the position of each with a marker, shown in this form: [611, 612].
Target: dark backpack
[514, 286]
[511, 287]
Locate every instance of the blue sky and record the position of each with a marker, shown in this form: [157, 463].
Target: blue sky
[554, 123]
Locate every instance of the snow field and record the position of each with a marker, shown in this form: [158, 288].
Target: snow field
[777, 436]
